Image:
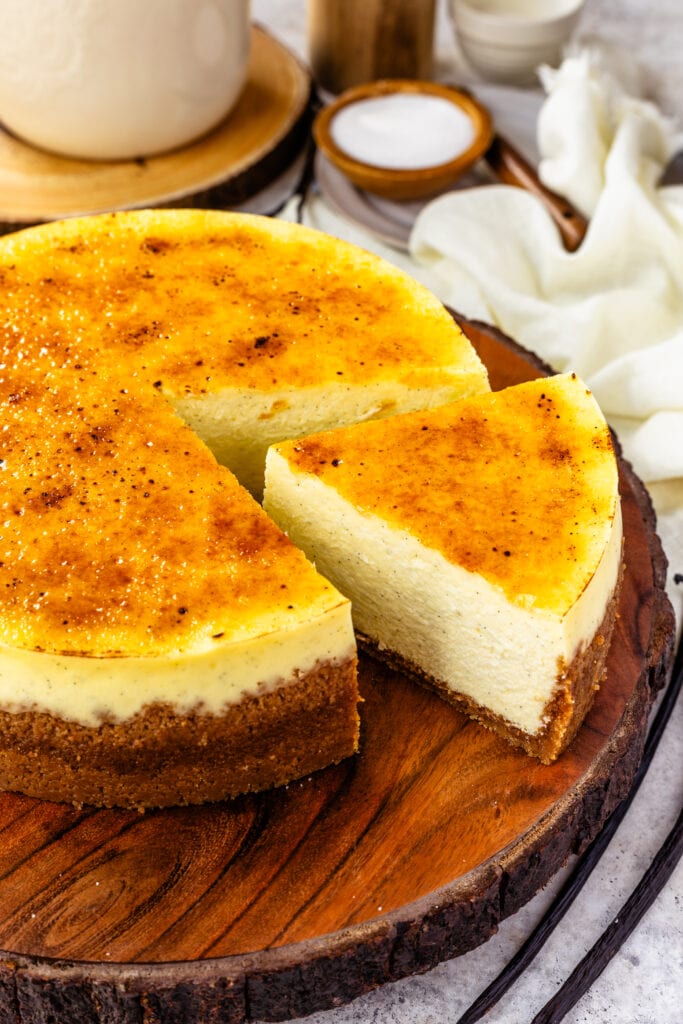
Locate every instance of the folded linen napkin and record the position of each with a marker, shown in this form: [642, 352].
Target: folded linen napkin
[613, 310]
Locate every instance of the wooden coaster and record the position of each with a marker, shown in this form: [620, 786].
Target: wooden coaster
[258, 139]
[276, 905]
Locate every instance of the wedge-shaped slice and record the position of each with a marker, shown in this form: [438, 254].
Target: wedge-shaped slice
[254, 329]
[480, 545]
[161, 641]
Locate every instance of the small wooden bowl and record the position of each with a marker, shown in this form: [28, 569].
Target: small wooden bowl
[399, 183]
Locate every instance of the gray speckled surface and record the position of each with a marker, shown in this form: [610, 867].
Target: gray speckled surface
[644, 982]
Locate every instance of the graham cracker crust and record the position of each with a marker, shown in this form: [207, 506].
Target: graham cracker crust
[160, 758]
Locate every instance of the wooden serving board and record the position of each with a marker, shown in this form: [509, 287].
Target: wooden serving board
[272, 906]
[258, 139]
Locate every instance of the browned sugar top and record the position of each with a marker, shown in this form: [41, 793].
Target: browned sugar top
[120, 534]
[519, 485]
[195, 301]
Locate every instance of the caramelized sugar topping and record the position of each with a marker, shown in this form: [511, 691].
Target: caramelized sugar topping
[518, 485]
[193, 302]
[120, 533]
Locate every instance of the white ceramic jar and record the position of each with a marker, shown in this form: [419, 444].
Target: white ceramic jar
[118, 79]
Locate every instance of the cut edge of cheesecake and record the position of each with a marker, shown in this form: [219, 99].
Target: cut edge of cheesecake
[521, 653]
[565, 710]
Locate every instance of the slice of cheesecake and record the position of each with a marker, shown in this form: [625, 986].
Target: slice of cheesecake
[254, 329]
[480, 545]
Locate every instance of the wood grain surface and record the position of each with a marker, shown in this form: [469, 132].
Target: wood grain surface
[258, 139]
[275, 905]
[365, 40]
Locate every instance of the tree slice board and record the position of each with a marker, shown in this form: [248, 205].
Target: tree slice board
[258, 139]
[275, 905]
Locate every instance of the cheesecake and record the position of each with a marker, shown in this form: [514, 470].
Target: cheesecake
[480, 545]
[161, 640]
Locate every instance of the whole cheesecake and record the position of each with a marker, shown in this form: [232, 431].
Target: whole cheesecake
[161, 640]
[480, 544]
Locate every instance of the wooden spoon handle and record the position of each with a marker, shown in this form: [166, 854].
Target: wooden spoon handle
[510, 167]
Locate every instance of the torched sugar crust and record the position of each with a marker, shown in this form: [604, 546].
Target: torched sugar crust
[197, 301]
[121, 535]
[518, 485]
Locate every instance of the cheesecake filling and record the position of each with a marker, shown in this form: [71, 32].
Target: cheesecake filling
[459, 628]
[90, 690]
[239, 425]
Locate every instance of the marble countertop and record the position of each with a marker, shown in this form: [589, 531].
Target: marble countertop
[643, 983]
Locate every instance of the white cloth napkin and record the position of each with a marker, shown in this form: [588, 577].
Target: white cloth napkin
[613, 310]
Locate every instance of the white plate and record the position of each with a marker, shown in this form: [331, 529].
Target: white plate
[514, 113]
